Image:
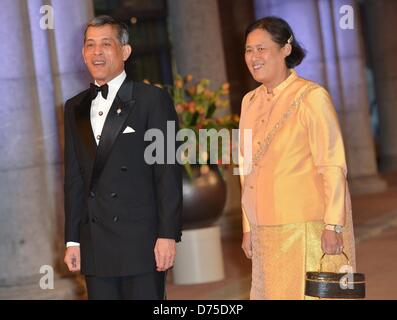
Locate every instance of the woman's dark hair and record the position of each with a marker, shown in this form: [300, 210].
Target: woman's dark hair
[280, 31]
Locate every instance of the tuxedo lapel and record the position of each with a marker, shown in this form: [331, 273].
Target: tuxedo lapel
[114, 123]
[83, 124]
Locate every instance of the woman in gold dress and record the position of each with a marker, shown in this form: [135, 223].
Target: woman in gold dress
[295, 197]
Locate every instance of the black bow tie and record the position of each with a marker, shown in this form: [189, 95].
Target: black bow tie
[94, 89]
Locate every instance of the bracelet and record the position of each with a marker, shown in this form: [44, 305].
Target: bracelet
[334, 227]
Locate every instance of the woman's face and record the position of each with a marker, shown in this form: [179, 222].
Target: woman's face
[264, 57]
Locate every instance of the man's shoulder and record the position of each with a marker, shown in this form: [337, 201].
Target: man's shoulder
[149, 90]
[151, 96]
[77, 99]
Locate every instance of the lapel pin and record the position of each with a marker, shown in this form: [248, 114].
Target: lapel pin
[118, 111]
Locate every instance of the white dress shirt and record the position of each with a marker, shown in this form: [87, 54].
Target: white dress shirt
[99, 110]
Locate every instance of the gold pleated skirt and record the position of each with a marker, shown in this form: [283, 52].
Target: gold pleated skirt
[283, 254]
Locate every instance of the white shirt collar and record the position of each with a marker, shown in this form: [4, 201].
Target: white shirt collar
[116, 82]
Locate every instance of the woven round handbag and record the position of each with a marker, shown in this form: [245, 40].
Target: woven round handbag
[335, 285]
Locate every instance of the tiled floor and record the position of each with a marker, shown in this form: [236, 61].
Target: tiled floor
[375, 219]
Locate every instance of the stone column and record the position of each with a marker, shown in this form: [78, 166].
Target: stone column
[198, 49]
[335, 60]
[381, 20]
[196, 39]
[235, 16]
[307, 29]
[33, 86]
[69, 76]
[354, 114]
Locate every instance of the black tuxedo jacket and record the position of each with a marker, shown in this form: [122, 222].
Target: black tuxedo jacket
[117, 205]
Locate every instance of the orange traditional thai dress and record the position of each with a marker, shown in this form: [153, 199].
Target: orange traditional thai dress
[296, 183]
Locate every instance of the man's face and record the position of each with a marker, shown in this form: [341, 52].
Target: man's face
[264, 57]
[103, 53]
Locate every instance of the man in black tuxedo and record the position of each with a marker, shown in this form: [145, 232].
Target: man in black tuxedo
[122, 215]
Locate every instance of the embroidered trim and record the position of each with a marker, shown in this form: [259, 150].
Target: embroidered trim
[269, 138]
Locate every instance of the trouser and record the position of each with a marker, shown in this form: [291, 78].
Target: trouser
[149, 286]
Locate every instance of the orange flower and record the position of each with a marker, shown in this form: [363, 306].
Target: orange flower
[208, 93]
[200, 110]
[179, 84]
[192, 90]
[218, 103]
[179, 107]
[236, 118]
[226, 87]
[189, 78]
[191, 107]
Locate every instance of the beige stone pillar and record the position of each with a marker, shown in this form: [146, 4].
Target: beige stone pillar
[381, 22]
[198, 49]
[196, 39]
[354, 113]
[40, 68]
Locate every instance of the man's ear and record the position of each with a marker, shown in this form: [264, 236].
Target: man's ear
[127, 50]
[82, 53]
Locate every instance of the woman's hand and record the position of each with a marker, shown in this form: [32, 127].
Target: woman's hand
[332, 242]
[247, 245]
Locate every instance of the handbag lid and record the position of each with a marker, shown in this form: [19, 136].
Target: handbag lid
[333, 276]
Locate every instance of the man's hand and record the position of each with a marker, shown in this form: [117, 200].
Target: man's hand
[332, 242]
[247, 245]
[164, 251]
[72, 258]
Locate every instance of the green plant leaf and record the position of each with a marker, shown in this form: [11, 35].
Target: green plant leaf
[189, 170]
[211, 110]
[194, 118]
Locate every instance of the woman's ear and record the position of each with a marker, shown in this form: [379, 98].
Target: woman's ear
[287, 49]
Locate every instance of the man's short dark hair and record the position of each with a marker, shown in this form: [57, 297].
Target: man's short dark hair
[122, 29]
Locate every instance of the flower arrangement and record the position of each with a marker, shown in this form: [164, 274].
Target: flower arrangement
[198, 107]
[196, 104]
